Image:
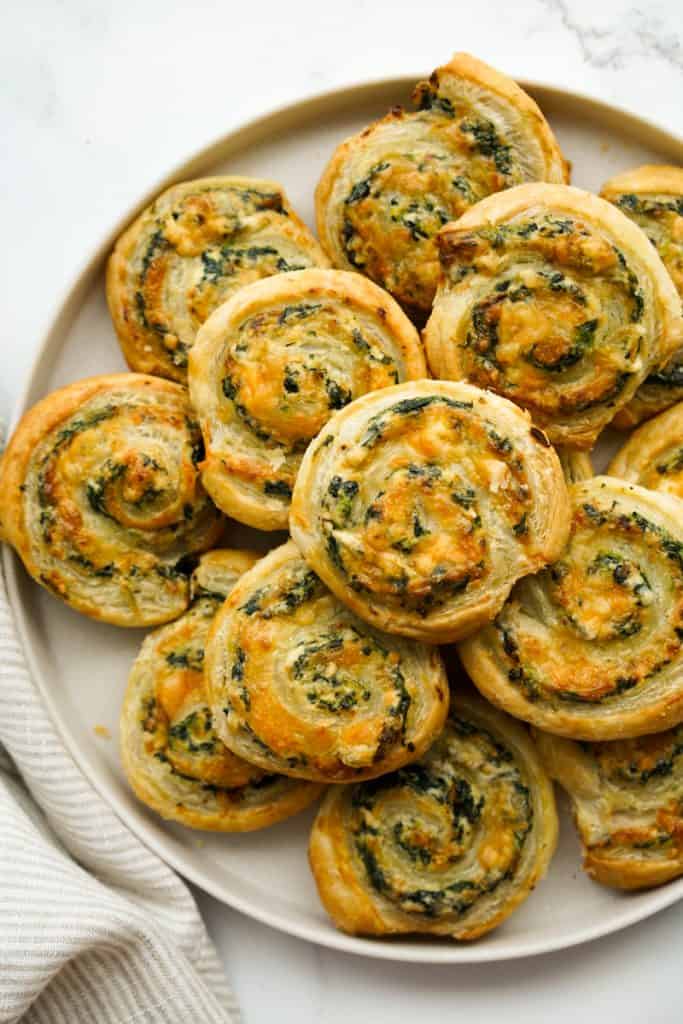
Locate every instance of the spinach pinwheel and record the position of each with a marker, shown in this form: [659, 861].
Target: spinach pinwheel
[552, 297]
[171, 754]
[422, 504]
[627, 799]
[102, 497]
[388, 190]
[299, 685]
[451, 845]
[592, 647]
[652, 196]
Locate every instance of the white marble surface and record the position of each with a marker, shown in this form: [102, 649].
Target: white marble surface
[98, 101]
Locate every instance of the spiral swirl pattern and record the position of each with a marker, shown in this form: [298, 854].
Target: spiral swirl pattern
[553, 298]
[103, 498]
[450, 845]
[652, 197]
[627, 799]
[420, 506]
[197, 244]
[270, 368]
[300, 686]
[387, 191]
[592, 648]
[171, 754]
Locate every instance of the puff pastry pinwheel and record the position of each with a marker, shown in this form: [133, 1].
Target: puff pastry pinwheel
[555, 299]
[387, 191]
[187, 253]
[299, 685]
[652, 196]
[653, 454]
[627, 799]
[102, 498]
[271, 366]
[171, 754]
[422, 504]
[592, 647]
[450, 845]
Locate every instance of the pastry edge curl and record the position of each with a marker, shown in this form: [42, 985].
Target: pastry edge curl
[641, 447]
[655, 178]
[302, 795]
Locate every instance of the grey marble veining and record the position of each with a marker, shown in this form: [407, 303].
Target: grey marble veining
[612, 39]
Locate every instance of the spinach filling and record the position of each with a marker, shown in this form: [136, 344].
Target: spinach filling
[664, 767]
[670, 376]
[194, 734]
[277, 489]
[406, 406]
[487, 141]
[361, 189]
[190, 657]
[230, 260]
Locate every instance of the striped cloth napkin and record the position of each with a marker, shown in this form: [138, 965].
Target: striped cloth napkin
[93, 926]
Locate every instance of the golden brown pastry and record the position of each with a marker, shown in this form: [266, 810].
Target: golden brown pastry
[592, 648]
[171, 754]
[299, 685]
[187, 253]
[555, 299]
[448, 846]
[102, 498]
[575, 465]
[652, 196]
[420, 505]
[387, 191]
[653, 454]
[627, 799]
[272, 365]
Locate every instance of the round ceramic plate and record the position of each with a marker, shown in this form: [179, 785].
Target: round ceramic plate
[81, 666]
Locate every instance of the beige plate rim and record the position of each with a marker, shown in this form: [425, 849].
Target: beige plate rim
[240, 137]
